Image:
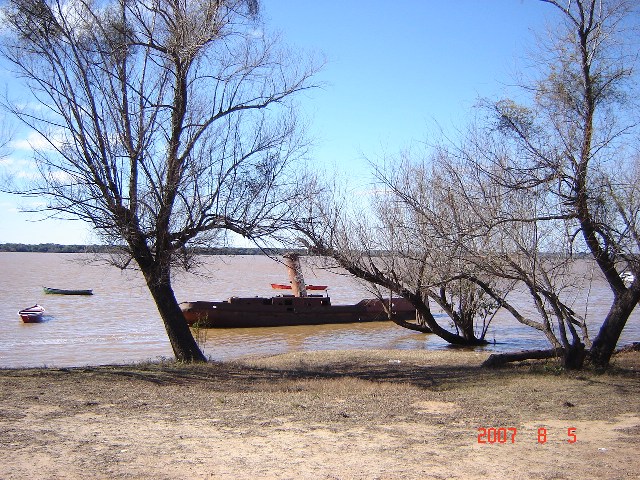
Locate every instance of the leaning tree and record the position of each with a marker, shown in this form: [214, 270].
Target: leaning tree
[166, 121]
[534, 183]
[553, 176]
[407, 238]
[526, 241]
[577, 140]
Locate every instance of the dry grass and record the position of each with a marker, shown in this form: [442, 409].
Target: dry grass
[380, 414]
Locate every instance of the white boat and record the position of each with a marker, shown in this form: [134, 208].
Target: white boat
[32, 314]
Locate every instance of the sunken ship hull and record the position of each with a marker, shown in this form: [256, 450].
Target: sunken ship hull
[238, 312]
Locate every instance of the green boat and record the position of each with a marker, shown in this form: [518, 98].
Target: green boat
[58, 291]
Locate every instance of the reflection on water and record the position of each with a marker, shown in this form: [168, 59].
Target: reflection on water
[119, 323]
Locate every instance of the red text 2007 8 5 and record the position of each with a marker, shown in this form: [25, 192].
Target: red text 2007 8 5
[508, 435]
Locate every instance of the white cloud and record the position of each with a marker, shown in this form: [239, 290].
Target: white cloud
[16, 169]
[60, 176]
[9, 207]
[372, 192]
[35, 204]
[27, 175]
[35, 141]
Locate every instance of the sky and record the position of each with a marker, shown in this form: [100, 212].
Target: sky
[395, 72]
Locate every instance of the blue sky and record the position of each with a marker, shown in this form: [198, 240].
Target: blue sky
[394, 70]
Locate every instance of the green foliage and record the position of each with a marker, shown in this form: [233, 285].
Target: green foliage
[513, 118]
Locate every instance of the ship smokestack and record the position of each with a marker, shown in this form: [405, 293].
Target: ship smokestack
[298, 287]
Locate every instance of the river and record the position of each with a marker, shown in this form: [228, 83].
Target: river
[120, 323]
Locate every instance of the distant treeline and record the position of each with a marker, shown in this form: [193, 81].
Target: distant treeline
[51, 248]
[57, 248]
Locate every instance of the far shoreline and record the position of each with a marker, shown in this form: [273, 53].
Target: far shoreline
[98, 249]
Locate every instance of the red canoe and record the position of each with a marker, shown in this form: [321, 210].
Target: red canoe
[32, 314]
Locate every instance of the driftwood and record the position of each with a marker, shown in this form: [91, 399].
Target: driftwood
[573, 361]
[500, 359]
[634, 347]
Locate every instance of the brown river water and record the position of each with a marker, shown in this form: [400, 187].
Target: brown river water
[120, 323]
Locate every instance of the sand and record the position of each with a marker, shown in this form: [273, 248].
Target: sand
[322, 415]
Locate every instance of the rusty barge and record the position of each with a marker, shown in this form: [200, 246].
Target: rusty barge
[297, 308]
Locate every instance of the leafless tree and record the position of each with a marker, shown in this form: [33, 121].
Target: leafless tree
[405, 245]
[167, 121]
[535, 184]
[576, 141]
[482, 238]
[444, 231]
[524, 242]
[550, 178]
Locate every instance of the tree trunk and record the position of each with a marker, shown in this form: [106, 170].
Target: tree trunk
[421, 326]
[423, 311]
[573, 357]
[183, 344]
[605, 343]
[501, 359]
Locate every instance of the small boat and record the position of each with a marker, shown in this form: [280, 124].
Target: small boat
[32, 314]
[284, 286]
[58, 291]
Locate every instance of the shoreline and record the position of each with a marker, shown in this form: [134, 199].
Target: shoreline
[357, 414]
[101, 329]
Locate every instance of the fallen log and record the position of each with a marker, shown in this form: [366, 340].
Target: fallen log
[634, 347]
[501, 359]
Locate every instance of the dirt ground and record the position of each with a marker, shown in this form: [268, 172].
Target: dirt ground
[322, 415]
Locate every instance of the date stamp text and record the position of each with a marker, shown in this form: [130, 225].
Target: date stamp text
[508, 435]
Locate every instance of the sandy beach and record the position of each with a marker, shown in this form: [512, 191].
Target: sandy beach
[322, 415]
